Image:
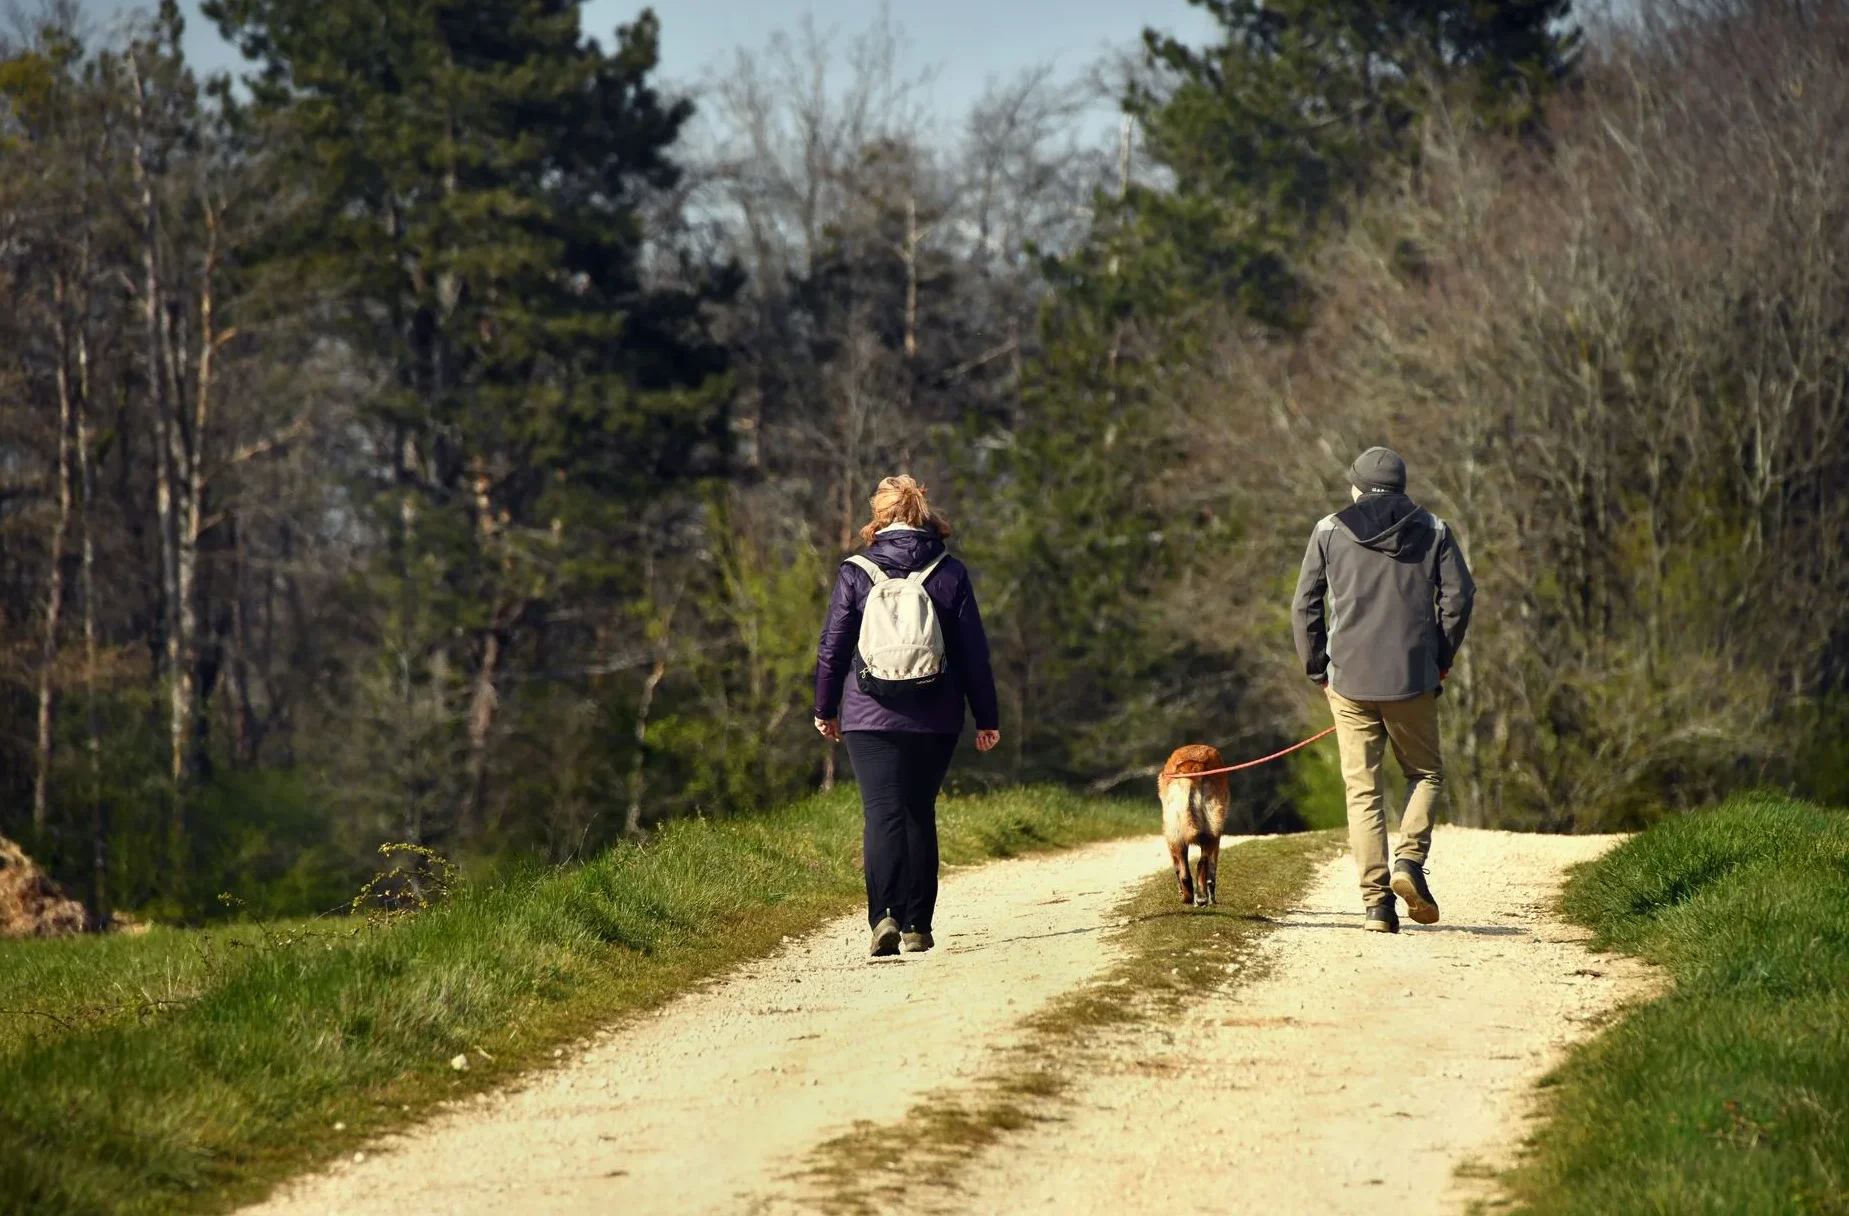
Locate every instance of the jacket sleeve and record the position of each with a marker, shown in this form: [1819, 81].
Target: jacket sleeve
[972, 654]
[1307, 612]
[1457, 592]
[834, 654]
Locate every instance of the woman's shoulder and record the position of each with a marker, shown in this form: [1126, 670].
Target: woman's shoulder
[948, 568]
[951, 573]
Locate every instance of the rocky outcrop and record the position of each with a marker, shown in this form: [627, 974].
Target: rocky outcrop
[31, 905]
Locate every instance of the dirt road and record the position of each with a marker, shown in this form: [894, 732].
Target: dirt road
[1363, 1070]
[1359, 1075]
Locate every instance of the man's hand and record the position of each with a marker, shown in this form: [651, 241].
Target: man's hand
[830, 729]
[987, 739]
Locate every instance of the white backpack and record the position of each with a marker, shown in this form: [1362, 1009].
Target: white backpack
[901, 651]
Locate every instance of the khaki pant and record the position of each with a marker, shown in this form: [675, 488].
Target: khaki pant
[1363, 729]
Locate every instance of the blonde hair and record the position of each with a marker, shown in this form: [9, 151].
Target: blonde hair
[900, 500]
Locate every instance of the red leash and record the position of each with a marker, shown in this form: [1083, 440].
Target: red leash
[1215, 772]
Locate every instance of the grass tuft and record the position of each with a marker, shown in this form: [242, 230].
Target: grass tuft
[189, 1071]
[1729, 1094]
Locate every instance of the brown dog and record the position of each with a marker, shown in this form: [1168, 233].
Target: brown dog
[1193, 812]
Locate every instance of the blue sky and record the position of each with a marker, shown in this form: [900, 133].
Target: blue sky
[966, 43]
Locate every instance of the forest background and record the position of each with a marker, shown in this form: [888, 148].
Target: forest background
[446, 436]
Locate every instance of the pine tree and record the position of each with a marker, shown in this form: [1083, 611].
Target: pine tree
[1273, 131]
[471, 175]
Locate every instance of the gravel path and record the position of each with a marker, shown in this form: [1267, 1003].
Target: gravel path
[1358, 1075]
[708, 1104]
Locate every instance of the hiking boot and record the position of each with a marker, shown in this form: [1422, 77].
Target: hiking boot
[885, 938]
[1409, 885]
[1381, 918]
[916, 942]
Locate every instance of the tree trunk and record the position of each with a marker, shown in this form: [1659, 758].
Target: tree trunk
[632, 819]
[910, 256]
[93, 735]
[662, 636]
[167, 443]
[483, 701]
[237, 670]
[190, 756]
[409, 460]
[54, 582]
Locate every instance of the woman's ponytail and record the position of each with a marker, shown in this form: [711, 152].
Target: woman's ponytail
[901, 500]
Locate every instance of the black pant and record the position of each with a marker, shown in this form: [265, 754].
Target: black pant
[900, 773]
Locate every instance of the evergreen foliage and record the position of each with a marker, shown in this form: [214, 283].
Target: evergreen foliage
[1272, 134]
[472, 179]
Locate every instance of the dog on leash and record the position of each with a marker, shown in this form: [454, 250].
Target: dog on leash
[1193, 812]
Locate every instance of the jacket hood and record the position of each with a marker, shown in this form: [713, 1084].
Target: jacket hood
[1392, 524]
[904, 551]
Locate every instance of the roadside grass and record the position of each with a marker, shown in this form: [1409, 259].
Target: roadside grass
[186, 1072]
[48, 989]
[1171, 955]
[1729, 1094]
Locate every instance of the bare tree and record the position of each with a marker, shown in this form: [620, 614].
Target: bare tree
[1615, 368]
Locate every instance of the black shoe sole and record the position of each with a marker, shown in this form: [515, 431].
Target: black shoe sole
[1421, 910]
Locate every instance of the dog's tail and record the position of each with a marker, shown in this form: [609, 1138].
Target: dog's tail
[1185, 809]
[1199, 806]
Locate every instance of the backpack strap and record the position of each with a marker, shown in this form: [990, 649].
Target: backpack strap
[919, 576]
[867, 565]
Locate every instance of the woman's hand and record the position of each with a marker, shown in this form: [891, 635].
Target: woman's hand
[987, 739]
[830, 729]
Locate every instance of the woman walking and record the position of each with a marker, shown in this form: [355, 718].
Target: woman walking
[892, 674]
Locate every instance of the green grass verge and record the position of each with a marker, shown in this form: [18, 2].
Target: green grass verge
[184, 1072]
[1729, 1094]
[52, 988]
[1172, 955]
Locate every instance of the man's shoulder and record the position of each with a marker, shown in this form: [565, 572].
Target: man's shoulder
[1325, 524]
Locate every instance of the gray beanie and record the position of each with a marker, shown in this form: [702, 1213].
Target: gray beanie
[1378, 471]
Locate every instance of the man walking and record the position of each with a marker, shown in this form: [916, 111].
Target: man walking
[1398, 602]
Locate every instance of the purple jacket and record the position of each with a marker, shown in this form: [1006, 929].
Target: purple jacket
[966, 646]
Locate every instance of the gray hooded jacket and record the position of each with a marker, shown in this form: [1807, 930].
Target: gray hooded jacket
[1398, 600]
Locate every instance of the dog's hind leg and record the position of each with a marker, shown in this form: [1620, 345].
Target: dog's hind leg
[1178, 857]
[1210, 870]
